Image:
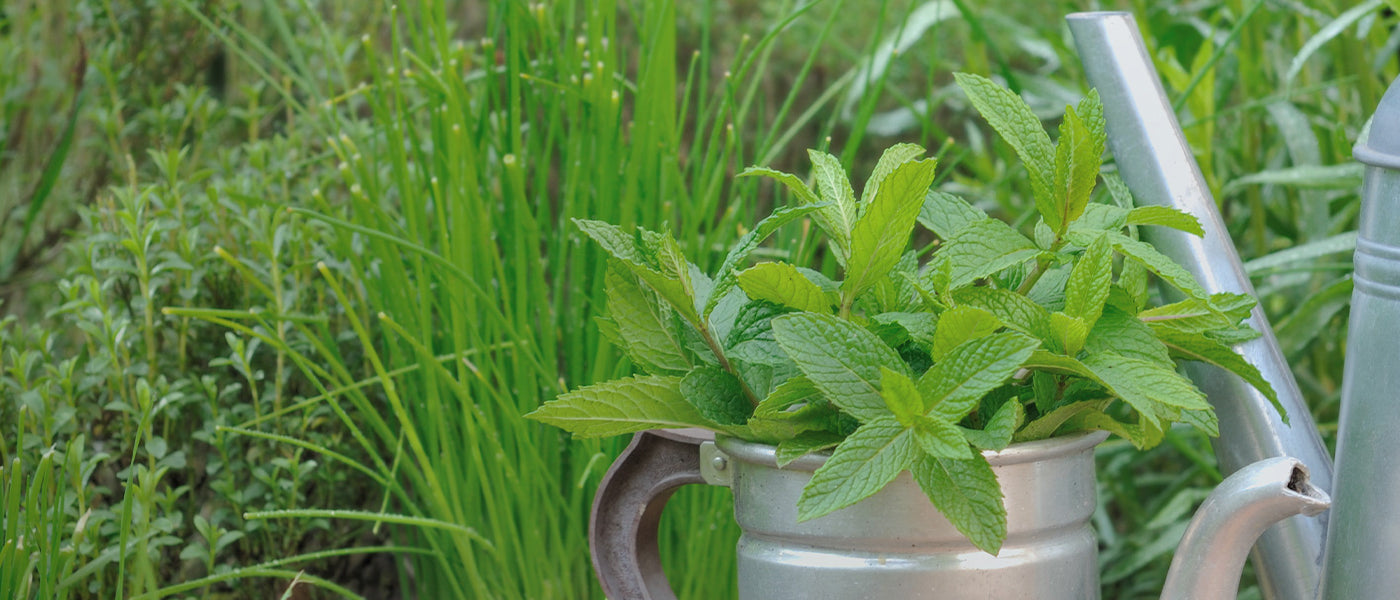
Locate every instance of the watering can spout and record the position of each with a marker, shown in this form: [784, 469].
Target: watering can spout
[1211, 557]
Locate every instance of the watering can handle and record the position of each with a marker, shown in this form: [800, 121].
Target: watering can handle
[627, 510]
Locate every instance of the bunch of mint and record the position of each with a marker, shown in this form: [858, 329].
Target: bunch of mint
[996, 338]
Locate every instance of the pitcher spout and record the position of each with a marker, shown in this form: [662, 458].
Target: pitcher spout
[1211, 556]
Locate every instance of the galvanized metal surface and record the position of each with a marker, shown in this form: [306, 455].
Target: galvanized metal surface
[896, 545]
[1211, 556]
[1364, 538]
[1155, 162]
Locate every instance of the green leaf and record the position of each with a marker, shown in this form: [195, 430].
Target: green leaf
[1143, 384]
[891, 159]
[921, 327]
[863, 464]
[716, 394]
[1125, 335]
[1016, 311]
[781, 283]
[1086, 291]
[748, 243]
[1118, 190]
[967, 493]
[1078, 155]
[1166, 217]
[671, 276]
[804, 444]
[959, 325]
[945, 214]
[954, 386]
[835, 189]
[981, 249]
[1046, 426]
[996, 435]
[1101, 217]
[1198, 347]
[805, 195]
[794, 408]
[841, 358]
[645, 327]
[1070, 331]
[1142, 436]
[622, 406]
[901, 396]
[940, 438]
[1013, 120]
[1156, 262]
[1222, 311]
[1090, 110]
[882, 233]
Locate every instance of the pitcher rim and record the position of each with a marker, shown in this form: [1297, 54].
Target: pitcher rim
[1022, 452]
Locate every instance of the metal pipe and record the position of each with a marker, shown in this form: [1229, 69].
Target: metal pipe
[1156, 163]
[1364, 536]
[1211, 555]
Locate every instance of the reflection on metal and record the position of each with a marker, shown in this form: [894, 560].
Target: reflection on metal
[1211, 555]
[895, 544]
[1155, 162]
[1364, 537]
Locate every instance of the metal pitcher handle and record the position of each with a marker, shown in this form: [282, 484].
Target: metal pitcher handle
[627, 510]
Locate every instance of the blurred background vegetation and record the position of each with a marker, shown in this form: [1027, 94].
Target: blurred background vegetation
[278, 279]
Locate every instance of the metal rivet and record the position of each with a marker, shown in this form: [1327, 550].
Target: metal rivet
[719, 463]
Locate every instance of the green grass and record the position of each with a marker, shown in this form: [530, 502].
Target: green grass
[324, 262]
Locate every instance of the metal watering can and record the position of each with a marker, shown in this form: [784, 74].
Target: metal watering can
[895, 545]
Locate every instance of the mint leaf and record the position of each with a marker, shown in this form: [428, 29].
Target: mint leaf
[1013, 120]
[835, 189]
[920, 327]
[863, 464]
[754, 322]
[880, 236]
[940, 438]
[622, 406]
[891, 159]
[967, 493]
[1069, 331]
[1166, 217]
[1078, 155]
[953, 386]
[795, 407]
[748, 243]
[1119, 333]
[959, 325]
[996, 435]
[1196, 346]
[1156, 262]
[781, 283]
[981, 249]
[841, 358]
[1090, 109]
[804, 194]
[1086, 291]
[644, 326]
[1100, 217]
[1143, 384]
[1046, 426]
[1197, 315]
[670, 277]
[716, 394]
[804, 444]
[1016, 311]
[945, 214]
[901, 396]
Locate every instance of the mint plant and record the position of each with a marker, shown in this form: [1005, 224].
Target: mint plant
[996, 338]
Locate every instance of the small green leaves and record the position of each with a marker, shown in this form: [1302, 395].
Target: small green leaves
[1086, 291]
[1078, 155]
[901, 396]
[959, 325]
[1144, 385]
[622, 406]
[716, 394]
[982, 249]
[841, 358]
[945, 214]
[835, 189]
[892, 158]
[645, 327]
[781, 283]
[1166, 217]
[954, 385]
[868, 460]
[880, 236]
[1013, 120]
[967, 493]
[748, 243]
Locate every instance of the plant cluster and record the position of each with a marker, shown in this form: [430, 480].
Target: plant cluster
[900, 363]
